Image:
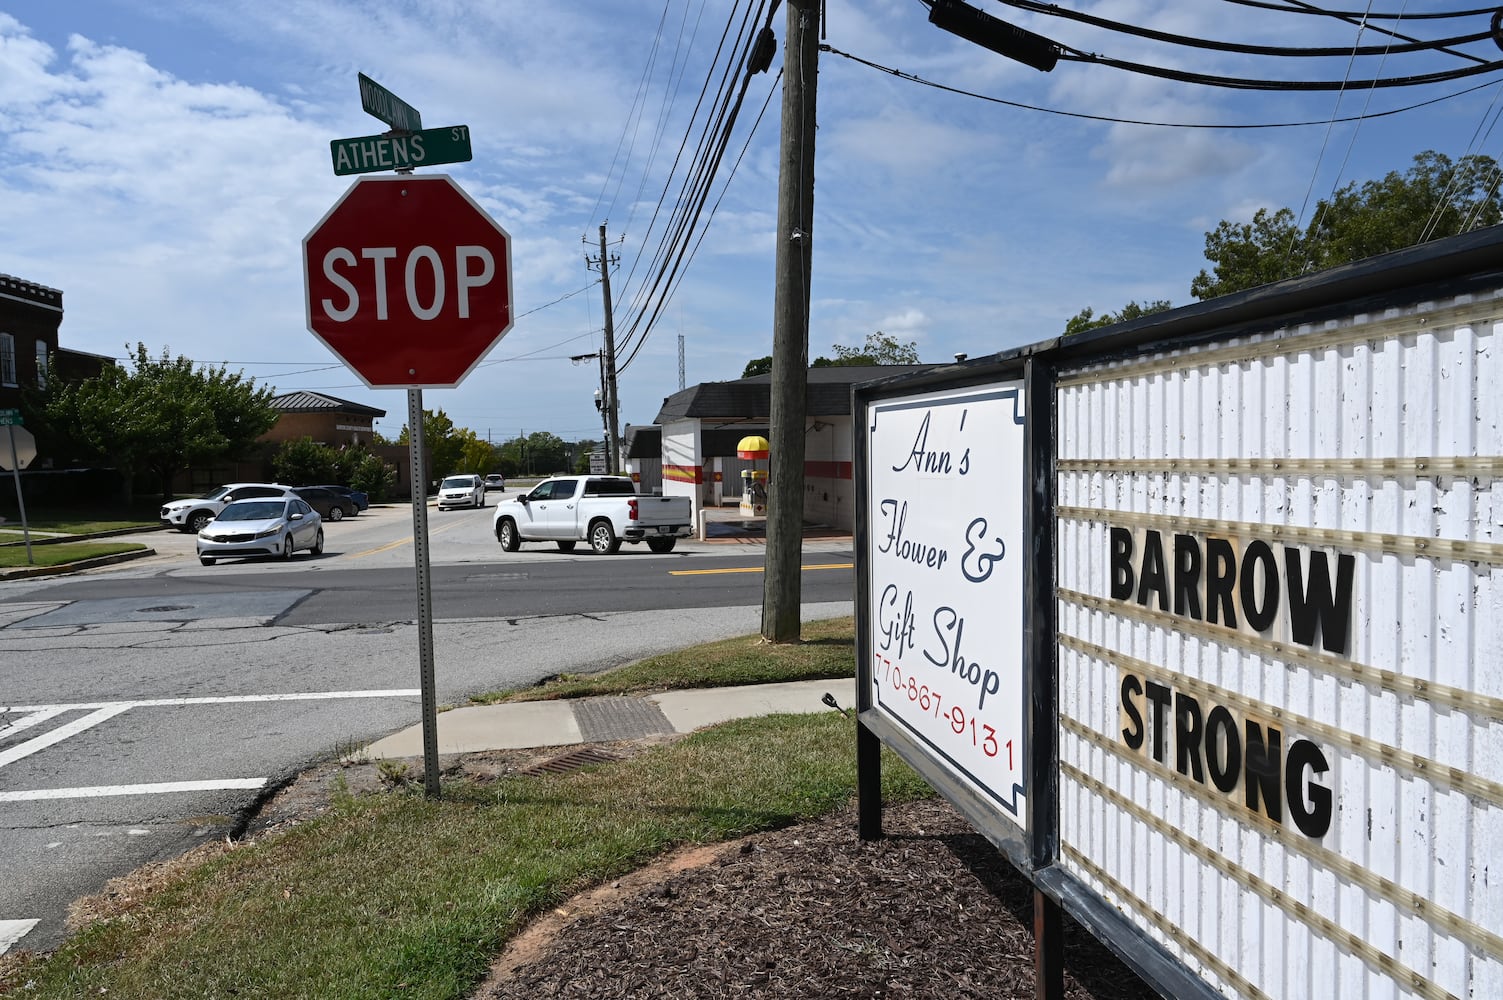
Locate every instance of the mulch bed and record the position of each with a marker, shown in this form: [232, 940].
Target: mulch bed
[931, 912]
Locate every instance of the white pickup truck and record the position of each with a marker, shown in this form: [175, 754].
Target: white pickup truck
[602, 510]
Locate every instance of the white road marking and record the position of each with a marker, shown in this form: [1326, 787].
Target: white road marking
[12, 931]
[157, 788]
[232, 699]
[59, 734]
[31, 720]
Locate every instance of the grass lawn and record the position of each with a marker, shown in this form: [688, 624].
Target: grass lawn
[13, 556]
[397, 895]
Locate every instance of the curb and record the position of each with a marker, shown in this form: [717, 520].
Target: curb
[24, 572]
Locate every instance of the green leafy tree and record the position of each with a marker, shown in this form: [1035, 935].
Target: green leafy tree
[159, 415]
[305, 462]
[442, 443]
[475, 453]
[1087, 319]
[371, 474]
[879, 349]
[1435, 197]
[758, 366]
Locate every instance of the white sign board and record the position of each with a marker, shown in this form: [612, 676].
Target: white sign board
[1280, 652]
[24, 445]
[945, 549]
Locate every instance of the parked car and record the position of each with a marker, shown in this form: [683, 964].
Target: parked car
[331, 506]
[495, 481]
[194, 514]
[461, 491]
[361, 498]
[263, 526]
[602, 510]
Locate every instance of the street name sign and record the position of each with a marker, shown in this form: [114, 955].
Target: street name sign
[10, 417]
[429, 147]
[408, 281]
[378, 101]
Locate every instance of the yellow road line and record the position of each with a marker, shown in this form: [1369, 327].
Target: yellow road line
[751, 569]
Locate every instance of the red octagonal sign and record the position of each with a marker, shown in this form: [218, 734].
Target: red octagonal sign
[408, 281]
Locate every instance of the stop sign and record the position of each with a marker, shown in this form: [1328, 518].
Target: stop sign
[408, 281]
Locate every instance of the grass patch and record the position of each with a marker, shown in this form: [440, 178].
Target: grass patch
[396, 895]
[828, 649]
[61, 553]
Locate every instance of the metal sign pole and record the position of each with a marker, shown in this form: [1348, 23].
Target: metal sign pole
[15, 470]
[419, 481]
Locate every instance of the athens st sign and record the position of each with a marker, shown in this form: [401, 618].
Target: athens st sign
[424, 148]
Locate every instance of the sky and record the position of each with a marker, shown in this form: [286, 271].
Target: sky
[162, 160]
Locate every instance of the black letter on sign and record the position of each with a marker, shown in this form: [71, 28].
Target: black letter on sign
[1314, 603]
[1187, 576]
[1263, 765]
[1152, 577]
[1225, 769]
[1260, 617]
[1317, 820]
[1221, 579]
[1131, 689]
[1187, 736]
[1122, 577]
[1159, 695]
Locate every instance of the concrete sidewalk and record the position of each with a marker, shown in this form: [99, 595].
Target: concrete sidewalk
[527, 724]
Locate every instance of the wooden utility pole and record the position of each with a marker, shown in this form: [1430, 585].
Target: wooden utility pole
[608, 361]
[782, 586]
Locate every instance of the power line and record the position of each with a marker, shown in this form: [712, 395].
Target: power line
[912, 78]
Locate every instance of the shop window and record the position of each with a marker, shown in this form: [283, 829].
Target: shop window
[7, 359]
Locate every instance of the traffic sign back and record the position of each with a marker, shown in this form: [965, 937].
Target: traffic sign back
[408, 281]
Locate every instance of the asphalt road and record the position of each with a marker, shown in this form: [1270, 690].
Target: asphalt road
[146, 707]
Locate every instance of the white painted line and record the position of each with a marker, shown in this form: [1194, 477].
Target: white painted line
[12, 931]
[158, 788]
[31, 720]
[59, 734]
[233, 699]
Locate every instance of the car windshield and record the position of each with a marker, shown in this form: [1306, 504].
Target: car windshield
[458, 483]
[215, 493]
[258, 510]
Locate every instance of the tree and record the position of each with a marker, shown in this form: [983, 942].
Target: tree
[159, 415]
[879, 349]
[758, 366]
[441, 443]
[1087, 319]
[372, 475]
[305, 462]
[1434, 198]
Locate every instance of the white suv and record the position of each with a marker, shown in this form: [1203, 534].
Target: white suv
[461, 491]
[192, 515]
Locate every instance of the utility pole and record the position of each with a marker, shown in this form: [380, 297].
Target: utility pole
[613, 444]
[781, 586]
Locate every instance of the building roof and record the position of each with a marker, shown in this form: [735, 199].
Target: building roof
[829, 393]
[303, 401]
[31, 291]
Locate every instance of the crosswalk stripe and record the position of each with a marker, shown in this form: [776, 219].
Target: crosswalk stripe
[155, 788]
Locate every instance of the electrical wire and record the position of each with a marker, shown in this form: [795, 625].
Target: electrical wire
[1305, 8]
[911, 78]
[1242, 47]
[1242, 83]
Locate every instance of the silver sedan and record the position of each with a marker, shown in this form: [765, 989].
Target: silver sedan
[276, 526]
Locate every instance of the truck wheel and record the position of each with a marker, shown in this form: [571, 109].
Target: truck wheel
[661, 544]
[603, 538]
[506, 534]
[566, 546]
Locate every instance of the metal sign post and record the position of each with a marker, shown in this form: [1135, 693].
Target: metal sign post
[419, 482]
[11, 418]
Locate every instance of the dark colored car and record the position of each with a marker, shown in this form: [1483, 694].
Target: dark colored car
[361, 498]
[330, 505]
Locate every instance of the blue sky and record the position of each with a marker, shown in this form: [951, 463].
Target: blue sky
[161, 161]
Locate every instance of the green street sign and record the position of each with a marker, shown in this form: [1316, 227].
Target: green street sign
[10, 418]
[391, 109]
[367, 153]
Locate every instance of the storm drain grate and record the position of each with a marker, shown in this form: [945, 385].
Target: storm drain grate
[162, 609]
[571, 761]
